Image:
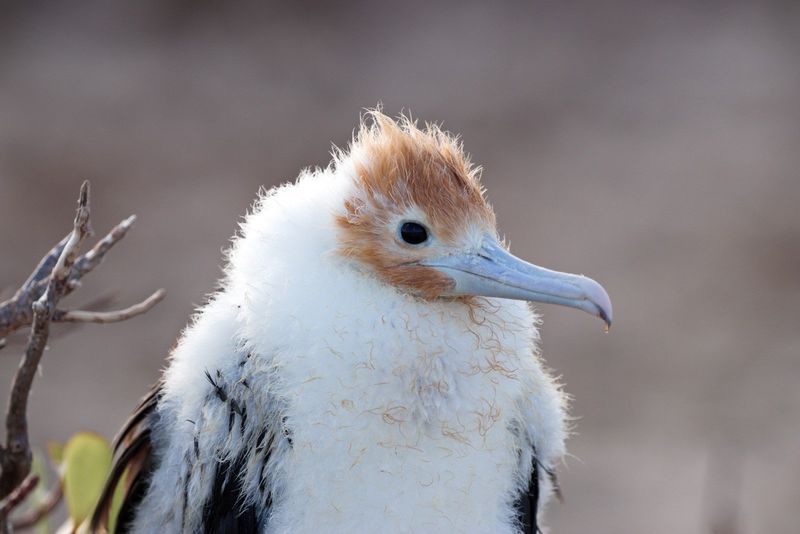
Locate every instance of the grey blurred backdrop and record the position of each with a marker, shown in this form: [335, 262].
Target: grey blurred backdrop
[652, 145]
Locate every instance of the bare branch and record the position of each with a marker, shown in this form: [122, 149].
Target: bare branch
[55, 266]
[14, 499]
[31, 517]
[95, 256]
[17, 312]
[80, 316]
[81, 229]
[45, 266]
[35, 304]
[16, 462]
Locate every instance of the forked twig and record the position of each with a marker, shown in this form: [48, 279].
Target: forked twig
[35, 304]
[17, 312]
[16, 457]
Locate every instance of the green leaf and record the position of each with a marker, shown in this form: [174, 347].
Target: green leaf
[86, 463]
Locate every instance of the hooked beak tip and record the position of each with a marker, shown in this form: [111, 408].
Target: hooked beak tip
[597, 295]
[606, 319]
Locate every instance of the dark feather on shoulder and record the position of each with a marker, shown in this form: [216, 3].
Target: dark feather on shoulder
[133, 465]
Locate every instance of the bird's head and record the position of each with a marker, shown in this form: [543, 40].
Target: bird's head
[418, 219]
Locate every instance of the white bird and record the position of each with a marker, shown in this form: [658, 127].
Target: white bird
[369, 364]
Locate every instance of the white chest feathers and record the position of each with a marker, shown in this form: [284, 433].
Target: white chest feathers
[399, 417]
[406, 419]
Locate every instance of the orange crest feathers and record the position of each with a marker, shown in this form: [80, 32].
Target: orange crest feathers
[402, 168]
[405, 166]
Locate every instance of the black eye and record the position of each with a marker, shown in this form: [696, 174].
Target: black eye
[413, 233]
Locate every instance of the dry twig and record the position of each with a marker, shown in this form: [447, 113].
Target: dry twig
[17, 312]
[15, 458]
[35, 304]
[31, 517]
[81, 316]
[14, 499]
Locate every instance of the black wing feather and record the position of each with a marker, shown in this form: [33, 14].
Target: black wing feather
[225, 512]
[133, 465]
[528, 503]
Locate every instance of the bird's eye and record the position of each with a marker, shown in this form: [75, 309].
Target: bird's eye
[413, 233]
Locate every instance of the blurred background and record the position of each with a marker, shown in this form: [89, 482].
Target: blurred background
[652, 145]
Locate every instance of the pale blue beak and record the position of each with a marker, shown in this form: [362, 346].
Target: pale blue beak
[492, 271]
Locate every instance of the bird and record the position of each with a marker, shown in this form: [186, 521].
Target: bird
[369, 363]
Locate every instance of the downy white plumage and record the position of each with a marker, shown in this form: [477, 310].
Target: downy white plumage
[363, 367]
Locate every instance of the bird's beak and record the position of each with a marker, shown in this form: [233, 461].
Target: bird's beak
[492, 271]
